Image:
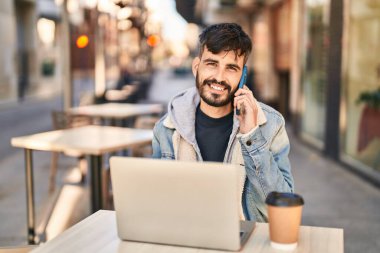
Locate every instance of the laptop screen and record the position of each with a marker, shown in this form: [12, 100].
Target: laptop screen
[175, 202]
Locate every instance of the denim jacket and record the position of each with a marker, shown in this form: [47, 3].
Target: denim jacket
[262, 153]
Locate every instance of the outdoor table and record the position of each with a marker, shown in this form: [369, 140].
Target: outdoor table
[93, 141]
[98, 233]
[116, 111]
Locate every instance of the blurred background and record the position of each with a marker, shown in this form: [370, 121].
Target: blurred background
[315, 61]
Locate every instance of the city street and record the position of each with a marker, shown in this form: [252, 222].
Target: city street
[334, 197]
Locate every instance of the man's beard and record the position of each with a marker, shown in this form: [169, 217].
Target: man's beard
[213, 99]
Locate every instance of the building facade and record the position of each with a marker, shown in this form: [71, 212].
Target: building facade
[8, 62]
[317, 62]
[31, 56]
[360, 107]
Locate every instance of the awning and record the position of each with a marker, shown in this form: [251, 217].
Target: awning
[48, 9]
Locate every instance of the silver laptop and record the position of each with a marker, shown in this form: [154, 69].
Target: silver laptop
[179, 203]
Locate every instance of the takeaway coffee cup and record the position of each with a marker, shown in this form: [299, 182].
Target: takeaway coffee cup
[284, 213]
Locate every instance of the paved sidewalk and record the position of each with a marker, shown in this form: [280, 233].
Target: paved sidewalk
[166, 85]
[13, 198]
[334, 197]
[28, 117]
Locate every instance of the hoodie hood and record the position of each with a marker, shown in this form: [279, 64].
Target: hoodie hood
[181, 114]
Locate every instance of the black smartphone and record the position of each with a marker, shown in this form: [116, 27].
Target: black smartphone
[243, 80]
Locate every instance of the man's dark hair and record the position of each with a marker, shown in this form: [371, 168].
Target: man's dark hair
[225, 37]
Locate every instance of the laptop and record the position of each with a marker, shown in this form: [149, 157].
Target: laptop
[193, 204]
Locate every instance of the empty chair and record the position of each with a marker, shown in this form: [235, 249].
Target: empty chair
[142, 122]
[64, 120]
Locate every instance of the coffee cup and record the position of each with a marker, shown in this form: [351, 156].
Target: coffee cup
[284, 214]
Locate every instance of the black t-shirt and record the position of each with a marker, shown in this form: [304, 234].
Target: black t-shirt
[212, 135]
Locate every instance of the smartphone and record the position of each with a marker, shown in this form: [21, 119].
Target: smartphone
[243, 80]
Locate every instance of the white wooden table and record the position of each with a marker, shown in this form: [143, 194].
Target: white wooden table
[116, 111]
[97, 233]
[93, 141]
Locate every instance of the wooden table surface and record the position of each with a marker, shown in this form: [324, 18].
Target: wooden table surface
[116, 110]
[97, 233]
[92, 140]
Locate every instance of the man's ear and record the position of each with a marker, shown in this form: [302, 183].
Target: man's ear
[195, 65]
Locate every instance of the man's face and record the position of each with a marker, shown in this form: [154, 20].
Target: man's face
[217, 76]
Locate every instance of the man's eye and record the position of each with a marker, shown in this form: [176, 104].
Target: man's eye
[211, 64]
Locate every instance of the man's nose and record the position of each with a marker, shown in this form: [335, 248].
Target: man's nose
[219, 75]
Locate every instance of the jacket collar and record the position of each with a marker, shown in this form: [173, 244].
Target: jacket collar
[181, 113]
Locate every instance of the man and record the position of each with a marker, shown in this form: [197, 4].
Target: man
[201, 123]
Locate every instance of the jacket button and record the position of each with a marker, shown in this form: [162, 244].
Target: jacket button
[249, 143]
